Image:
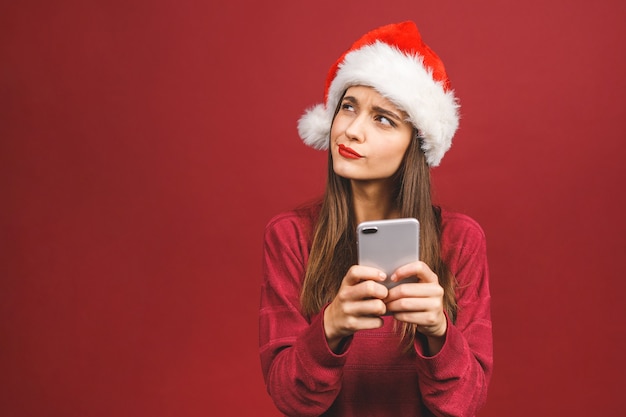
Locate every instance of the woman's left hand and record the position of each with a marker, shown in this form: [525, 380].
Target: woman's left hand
[419, 303]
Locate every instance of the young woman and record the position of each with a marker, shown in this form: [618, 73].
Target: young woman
[333, 340]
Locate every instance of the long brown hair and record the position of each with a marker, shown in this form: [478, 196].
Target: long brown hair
[333, 249]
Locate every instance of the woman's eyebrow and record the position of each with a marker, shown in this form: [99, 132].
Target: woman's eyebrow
[386, 112]
[377, 109]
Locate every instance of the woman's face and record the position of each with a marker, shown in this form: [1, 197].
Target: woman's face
[369, 136]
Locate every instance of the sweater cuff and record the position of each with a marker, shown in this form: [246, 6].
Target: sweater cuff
[445, 364]
[313, 350]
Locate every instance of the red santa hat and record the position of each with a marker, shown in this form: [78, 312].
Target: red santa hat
[395, 61]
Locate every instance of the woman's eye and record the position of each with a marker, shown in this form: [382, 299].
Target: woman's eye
[347, 106]
[384, 120]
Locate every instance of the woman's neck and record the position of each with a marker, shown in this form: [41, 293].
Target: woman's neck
[373, 201]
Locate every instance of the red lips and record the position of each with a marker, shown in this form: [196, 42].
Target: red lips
[348, 152]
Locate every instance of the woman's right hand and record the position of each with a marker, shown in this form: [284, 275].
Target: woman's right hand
[358, 305]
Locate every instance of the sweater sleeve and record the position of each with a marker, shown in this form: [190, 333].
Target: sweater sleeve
[454, 381]
[302, 375]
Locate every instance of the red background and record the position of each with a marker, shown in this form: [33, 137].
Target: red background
[145, 144]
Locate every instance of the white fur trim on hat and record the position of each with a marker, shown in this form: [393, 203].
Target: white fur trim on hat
[405, 81]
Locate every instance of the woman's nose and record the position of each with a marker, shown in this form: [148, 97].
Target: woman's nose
[356, 129]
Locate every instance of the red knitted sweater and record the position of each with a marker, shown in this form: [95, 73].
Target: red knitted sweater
[375, 375]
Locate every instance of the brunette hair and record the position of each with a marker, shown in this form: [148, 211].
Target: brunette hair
[333, 249]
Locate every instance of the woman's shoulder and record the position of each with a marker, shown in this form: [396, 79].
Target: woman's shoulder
[460, 229]
[300, 219]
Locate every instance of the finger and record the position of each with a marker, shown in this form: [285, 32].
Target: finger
[346, 324]
[427, 323]
[419, 269]
[358, 273]
[363, 290]
[418, 305]
[366, 323]
[415, 290]
[365, 308]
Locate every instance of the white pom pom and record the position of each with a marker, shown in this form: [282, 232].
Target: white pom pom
[314, 127]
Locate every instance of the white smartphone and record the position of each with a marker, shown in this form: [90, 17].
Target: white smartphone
[388, 245]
